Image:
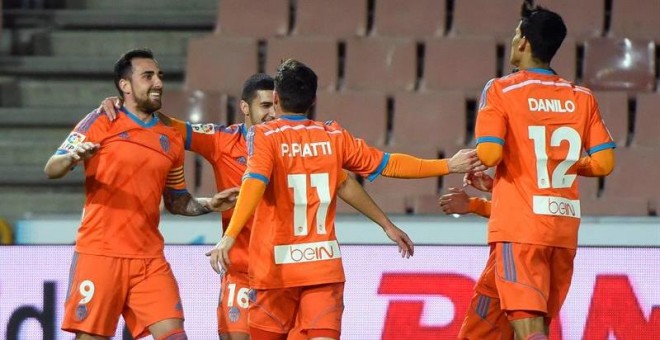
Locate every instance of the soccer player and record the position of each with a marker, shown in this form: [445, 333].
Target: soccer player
[293, 173]
[118, 267]
[225, 148]
[533, 125]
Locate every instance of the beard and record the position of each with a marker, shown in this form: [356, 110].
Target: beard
[147, 104]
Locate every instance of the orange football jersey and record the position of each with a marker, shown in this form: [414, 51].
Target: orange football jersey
[224, 147]
[293, 241]
[124, 183]
[544, 123]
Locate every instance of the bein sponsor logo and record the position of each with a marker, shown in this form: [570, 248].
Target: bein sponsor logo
[556, 206]
[307, 252]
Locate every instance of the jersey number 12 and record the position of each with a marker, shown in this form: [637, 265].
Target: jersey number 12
[559, 177]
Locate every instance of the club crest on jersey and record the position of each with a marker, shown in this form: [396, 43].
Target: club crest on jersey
[207, 129]
[81, 312]
[234, 313]
[165, 143]
[72, 141]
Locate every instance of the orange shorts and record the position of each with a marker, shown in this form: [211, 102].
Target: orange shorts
[234, 301]
[315, 307]
[101, 288]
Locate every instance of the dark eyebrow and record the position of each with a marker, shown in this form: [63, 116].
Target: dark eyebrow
[149, 73]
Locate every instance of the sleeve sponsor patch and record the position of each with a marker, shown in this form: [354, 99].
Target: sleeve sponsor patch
[208, 129]
[72, 142]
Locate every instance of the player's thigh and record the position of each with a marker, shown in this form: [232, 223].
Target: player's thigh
[523, 276]
[154, 296]
[96, 294]
[561, 267]
[322, 307]
[273, 310]
[233, 305]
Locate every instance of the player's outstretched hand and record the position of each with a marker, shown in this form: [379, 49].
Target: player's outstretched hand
[220, 254]
[479, 180]
[110, 106]
[84, 151]
[455, 202]
[465, 160]
[224, 200]
[406, 246]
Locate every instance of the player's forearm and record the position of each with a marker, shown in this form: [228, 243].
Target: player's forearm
[252, 190]
[479, 206]
[59, 165]
[406, 166]
[352, 193]
[183, 203]
[598, 164]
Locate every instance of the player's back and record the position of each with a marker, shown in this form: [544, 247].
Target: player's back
[293, 239]
[549, 121]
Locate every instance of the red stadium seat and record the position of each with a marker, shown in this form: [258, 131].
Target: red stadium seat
[319, 54]
[431, 119]
[440, 64]
[492, 18]
[337, 18]
[362, 114]
[635, 19]
[583, 21]
[634, 174]
[253, 18]
[195, 106]
[647, 121]
[614, 111]
[564, 62]
[420, 19]
[396, 195]
[221, 65]
[380, 64]
[619, 64]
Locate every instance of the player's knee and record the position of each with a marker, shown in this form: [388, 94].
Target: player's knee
[175, 334]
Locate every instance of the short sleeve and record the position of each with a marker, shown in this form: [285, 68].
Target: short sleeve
[361, 158]
[491, 120]
[92, 128]
[260, 155]
[597, 137]
[204, 139]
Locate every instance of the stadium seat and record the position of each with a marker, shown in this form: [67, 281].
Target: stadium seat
[319, 54]
[619, 64]
[380, 64]
[635, 20]
[647, 121]
[493, 18]
[221, 65]
[432, 119]
[337, 18]
[583, 21]
[253, 18]
[634, 174]
[195, 106]
[364, 115]
[478, 57]
[395, 195]
[614, 111]
[420, 19]
[564, 62]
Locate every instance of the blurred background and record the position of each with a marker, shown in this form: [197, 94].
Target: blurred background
[403, 74]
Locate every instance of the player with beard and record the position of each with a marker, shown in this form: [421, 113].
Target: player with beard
[118, 266]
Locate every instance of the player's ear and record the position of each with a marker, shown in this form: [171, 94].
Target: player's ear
[276, 98]
[125, 86]
[245, 108]
[522, 44]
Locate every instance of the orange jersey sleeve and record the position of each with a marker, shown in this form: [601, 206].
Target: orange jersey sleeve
[92, 128]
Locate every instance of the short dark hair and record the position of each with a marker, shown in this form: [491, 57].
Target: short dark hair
[257, 82]
[296, 85]
[124, 66]
[544, 29]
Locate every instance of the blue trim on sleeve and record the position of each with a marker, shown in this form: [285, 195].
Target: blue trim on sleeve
[189, 133]
[60, 152]
[490, 139]
[601, 147]
[256, 176]
[381, 167]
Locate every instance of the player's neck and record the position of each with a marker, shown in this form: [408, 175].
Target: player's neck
[527, 63]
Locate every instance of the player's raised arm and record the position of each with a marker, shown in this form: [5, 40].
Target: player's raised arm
[351, 192]
[59, 165]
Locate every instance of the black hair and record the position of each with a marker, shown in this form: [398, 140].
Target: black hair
[257, 82]
[124, 66]
[544, 29]
[296, 85]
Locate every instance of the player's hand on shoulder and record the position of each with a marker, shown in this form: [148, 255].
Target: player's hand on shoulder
[110, 106]
[406, 246]
[224, 200]
[479, 180]
[455, 202]
[84, 151]
[465, 160]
